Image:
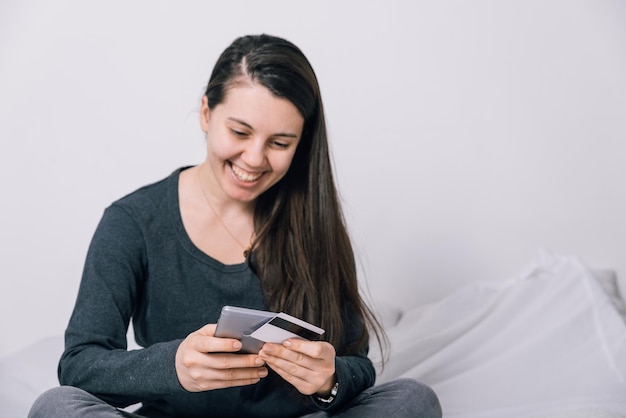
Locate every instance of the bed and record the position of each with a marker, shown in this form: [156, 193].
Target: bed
[550, 342]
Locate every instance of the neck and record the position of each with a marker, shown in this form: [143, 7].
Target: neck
[234, 217]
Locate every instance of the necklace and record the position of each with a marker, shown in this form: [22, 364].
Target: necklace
[246, 250]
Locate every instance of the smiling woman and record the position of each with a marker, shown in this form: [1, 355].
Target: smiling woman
[251, 140]
[169, 257]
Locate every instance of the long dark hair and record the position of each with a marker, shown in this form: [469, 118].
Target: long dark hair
[302, 251]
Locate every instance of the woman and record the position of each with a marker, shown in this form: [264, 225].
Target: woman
[257, 225]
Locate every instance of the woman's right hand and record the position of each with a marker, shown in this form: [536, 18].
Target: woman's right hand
[205, 362]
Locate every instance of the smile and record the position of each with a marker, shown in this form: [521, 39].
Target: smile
[244, 175]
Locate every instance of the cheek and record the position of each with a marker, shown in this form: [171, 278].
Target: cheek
[281, 165]
[219, 148]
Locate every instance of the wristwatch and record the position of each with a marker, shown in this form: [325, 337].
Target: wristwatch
[333, 394]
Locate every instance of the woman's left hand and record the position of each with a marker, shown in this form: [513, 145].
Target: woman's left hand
[307, 365]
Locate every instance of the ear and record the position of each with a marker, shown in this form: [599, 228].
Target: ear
[205, 113]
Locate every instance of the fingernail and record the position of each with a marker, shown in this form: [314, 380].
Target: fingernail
[259, 361]
[287, 343]
[263, 373]
[237, 345]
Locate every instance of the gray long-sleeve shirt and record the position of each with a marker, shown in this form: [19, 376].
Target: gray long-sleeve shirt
[141, 264]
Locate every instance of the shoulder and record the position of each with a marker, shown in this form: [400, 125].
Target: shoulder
[146, 213]
[157, 195]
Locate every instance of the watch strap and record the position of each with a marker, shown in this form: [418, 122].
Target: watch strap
[332, 396]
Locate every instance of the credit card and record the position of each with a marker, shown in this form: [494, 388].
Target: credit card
[284, 326]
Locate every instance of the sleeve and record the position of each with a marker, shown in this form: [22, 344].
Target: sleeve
[96, 357]
[354, 373]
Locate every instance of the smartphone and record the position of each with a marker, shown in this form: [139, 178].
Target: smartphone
[254, 327]
[239, 323]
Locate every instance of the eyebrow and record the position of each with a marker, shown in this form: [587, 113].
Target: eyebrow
[247, 125]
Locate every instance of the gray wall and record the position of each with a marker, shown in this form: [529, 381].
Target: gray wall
[466, 134]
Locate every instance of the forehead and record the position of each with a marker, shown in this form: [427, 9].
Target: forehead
[257, 106]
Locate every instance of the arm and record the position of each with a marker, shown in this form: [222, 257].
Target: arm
[112, 287]
[95, 357]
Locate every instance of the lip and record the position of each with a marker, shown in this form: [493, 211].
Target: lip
[243, 176]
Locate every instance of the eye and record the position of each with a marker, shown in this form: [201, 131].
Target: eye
[281, 144]
[238, 133]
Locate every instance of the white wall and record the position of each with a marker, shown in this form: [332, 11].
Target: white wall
[465, 134]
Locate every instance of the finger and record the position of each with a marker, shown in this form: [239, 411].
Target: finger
[213, 379]
[233, 362]
[204, 341]
[225, 373]
[313, 349]
[216, 345]
[210, 371]
[301, 351]
[207, 330]
[302, 383]
[281, 354]
[286, 359]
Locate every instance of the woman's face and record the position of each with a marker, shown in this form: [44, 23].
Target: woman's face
[251, 137]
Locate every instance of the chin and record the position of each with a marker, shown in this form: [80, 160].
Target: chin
[244, 197]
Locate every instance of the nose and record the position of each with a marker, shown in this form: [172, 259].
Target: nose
[254, 154]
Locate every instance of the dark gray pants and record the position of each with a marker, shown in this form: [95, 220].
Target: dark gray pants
[399, 398]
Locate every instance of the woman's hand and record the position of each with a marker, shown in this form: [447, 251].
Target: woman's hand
[205, 362]
[307, 365]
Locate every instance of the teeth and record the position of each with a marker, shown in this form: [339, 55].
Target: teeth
[244, 176]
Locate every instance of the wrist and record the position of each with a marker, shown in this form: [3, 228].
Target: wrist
[329, 395]
[326, 388]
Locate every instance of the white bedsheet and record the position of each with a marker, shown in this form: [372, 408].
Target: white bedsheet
[545, 344]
